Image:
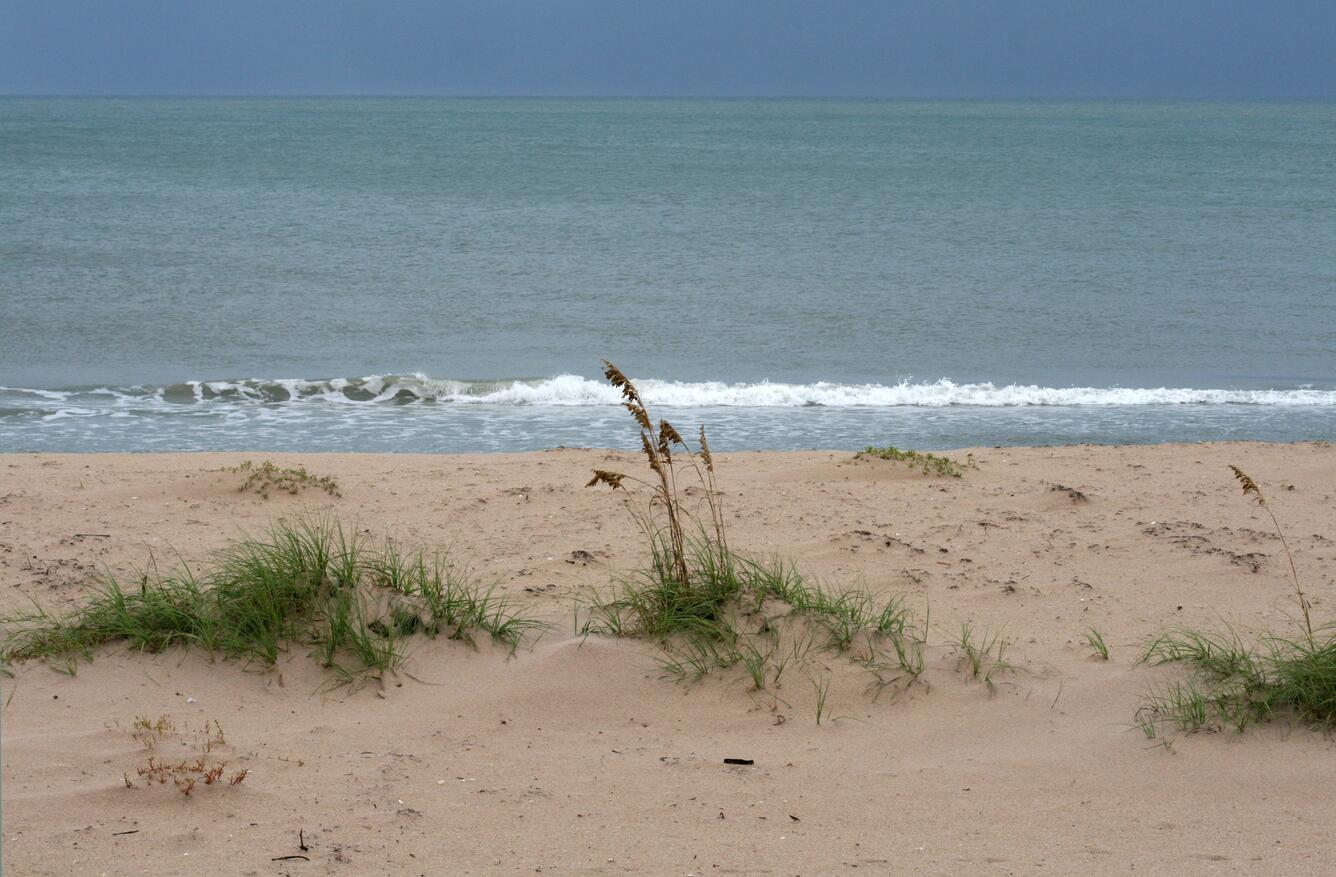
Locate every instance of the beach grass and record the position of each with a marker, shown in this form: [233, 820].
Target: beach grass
[712, 608]
[764, 617]
[306, 583]
[1235, 684]
[982, 653]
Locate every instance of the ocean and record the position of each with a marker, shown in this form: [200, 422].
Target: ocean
[447, 274]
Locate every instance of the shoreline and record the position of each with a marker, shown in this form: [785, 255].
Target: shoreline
[574, 757]
[955, 450]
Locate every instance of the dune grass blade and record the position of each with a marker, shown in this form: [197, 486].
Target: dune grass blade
[822, 688]
[1095, 640]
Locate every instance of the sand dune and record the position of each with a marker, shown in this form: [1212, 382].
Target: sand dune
[574, 758]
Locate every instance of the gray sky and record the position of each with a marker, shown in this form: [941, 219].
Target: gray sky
[905, 48]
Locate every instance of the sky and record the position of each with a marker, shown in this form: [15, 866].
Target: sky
[857, 48]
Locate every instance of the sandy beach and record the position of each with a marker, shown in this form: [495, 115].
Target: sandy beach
[574, 757]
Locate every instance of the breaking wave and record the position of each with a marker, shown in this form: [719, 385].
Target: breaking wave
[576, 391]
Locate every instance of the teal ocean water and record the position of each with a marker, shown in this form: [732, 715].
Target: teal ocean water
[438, 275]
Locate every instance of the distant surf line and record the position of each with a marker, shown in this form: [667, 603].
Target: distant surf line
[568, 390]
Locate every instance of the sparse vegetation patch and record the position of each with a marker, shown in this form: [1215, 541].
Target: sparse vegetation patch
[928, 464]
[265, 478]
[982, 653]
[186, 773]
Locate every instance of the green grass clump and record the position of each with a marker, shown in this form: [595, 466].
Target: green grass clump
[711, 608]
[763, 616]
[309, 583]
[264, 477]
[929, 464]
[1235, 683]
[983, 654]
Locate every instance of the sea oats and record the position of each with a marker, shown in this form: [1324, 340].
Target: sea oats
[669, 434]
[705, 451]
[1251, 488]
[612, 479]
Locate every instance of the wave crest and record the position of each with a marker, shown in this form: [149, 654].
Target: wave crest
[576, 391]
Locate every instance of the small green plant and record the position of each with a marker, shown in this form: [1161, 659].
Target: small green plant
[1145, 719]
[1183, 705]
[756, 662]
[765, 617]
[1095, 640]
[904, 670]
[983, 655]
[264, 477]
[695, 658]
[929, 464]
[822, 687]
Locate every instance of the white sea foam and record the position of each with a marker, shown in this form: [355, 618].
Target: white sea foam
[576, 391]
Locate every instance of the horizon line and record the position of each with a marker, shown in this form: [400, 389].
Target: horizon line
[410, 95]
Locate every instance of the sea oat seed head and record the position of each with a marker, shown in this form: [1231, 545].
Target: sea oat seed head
[612, 479]
[669, 434]
[640, 414]
[622, 382]
[650, 453]
[1250, 487]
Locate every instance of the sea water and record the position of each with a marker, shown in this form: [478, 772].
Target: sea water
[446, 275]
